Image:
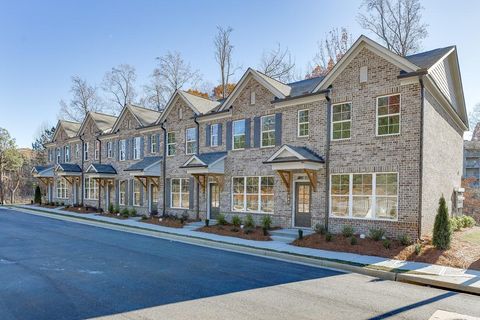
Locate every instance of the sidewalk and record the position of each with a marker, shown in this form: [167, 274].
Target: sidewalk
[465, 280]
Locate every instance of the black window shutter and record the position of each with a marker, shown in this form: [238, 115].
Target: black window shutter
[141, 193]
[130, 192]
[142, 147]
[220, 133]
[191, 194]
[247, 133]
[149, 143]
[167, 192]
[256, 132]
[278, 129]
[228, 135]
[207, 135]
[117, 192]
[158, 143]
[127, 150]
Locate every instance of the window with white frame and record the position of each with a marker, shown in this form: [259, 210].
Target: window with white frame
[77, 151]
[109, 149]
[91, 189]
[214, 131]
[180, 193]
[136, 148]
[66, 151]
[171, 141]
[123, 150]
[341, 121]
[153, 143]
[303, 123]
[364, 196]
[137, 196]
[253, 194]
[97, 150]
[62, 189]
[191, 141]
[388, 115]
[58, 155]
[50, 155]
[85, 151]
[268, 131]
[122, 192]
[238, 134]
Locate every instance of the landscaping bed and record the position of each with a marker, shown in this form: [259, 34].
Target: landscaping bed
[81, 209]
[114, 215]
[165, 222]
[232, 231]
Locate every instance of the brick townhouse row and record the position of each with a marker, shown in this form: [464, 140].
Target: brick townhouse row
[373, 144]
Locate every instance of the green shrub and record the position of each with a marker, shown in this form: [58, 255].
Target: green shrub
[266, 222]
[247, 230]
[125, 212]
[418, 248]
[405, 240]
[442, 232]
[455, 224]
[117, 209]
[144, 217]
[133, 212]
[184, 217]
[249, 222]
[347, 231]
[110, 208]
[38, 196]
[221, 219]
[353, 240]
[328, 237]
[236, 221]
[387, 243]
[467, 221]
[377, 234]
[320, 229]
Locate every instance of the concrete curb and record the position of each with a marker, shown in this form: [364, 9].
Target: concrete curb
[406, 276]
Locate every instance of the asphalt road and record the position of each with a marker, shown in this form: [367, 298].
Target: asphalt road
[51, 269]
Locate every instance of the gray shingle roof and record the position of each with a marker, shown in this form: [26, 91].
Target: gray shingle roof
[145, 116]
[427, 59]
[306, 86]
[282, 87]
[103, 121]
[201, 104]
[71, 128]
[70, 167]
[145, 163]
[42, 168]
[207, 158]
[104, 168]
[305, 152]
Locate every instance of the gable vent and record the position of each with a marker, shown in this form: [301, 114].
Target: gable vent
[363, 74]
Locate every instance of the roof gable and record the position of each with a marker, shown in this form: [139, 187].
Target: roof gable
[198, 104]
[102, 122]
[126, 114]
[69, 129]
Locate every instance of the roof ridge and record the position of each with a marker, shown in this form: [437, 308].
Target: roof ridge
[143, 107]
[104, 114]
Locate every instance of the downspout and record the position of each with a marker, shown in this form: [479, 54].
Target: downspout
[420, 170]
[327, 158]
[164, 169]
[83, 174]
[197, 185]
[99, 161]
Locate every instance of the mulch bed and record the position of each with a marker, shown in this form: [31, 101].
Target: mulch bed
[462, 253]
[113, 215]
[80, 209]
[47, 206]
[228, 230]
[165, 222]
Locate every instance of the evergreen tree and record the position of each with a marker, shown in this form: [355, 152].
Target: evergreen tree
[442, 232]
[38, 195]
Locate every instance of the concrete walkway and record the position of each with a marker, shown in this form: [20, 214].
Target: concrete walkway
[465, 280]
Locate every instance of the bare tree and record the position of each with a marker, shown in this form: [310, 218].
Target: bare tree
[119, 83]
[397, 22]
[278, 64]
[84, 98]
[223, 56]
[173, 73]
[330, 50]
[155, 94]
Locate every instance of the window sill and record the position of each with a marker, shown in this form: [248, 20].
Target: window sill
[363, 219]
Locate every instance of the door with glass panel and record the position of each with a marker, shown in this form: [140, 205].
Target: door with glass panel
[303, 195]
[214, 200]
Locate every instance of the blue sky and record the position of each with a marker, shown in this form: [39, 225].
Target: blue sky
[44, 43]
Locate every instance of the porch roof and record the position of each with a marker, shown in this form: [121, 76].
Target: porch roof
[205, 163]
[68, 169]
[42, 171]
[290, 157]
[147, 167]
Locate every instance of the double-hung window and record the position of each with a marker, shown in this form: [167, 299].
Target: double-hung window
[303, 123]
[66, 150]
[62, 189]
[171, 141]
[97, 150]
[341, 121]
[388, 115]
[77, 151]
[91, 189]
[136, 148]
[180, 193]
[85, 151]
[253, 194]
[58, 155]
[214, 131]
[109, 149]
[123, 150]
[364, 196]
[153, 143]
[122, 192]
[268, 131]
[136, 193]
[238, 136]
[191, 141]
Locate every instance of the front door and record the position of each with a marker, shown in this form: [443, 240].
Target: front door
[214, 200]
[303, 216]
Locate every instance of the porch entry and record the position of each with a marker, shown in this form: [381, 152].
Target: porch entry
[302, 213]
[213, 200]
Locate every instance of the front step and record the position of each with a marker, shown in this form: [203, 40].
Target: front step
[288, 235]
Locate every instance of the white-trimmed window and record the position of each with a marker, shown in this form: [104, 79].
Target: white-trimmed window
[191, 141]
[62, 189]
[66, 151]
[123, 150]
[238, 134]
[303, 123]
[253, 194]
[91, 189]
[341, 121]
[137, 195]
[109, 149]
[388, 115]
[58, 155]
[267, 124]
[122, 193]
[153, 143]
[180, 193]
[77, 151]
[364, 196]
[97, 150]
[85, 151]
[171, 144]
[214, 130]
[136, 148]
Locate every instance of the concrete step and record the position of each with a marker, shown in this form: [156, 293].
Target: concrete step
[291, 233]
[282, 239]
